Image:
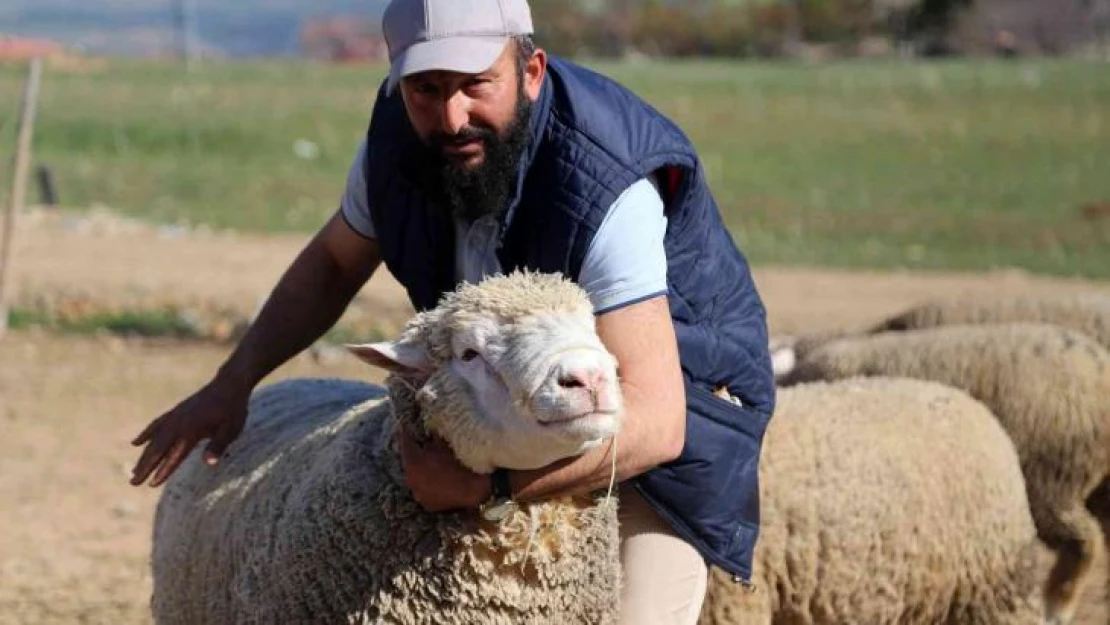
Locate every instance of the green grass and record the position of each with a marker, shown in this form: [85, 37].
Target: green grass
[955, 165]
[166, 322]
[154, 323]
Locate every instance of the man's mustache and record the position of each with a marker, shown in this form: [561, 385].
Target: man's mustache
[465, 135]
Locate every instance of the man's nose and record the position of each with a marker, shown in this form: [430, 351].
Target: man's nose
[454, 113]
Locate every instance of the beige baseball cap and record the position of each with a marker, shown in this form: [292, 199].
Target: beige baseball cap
[453, 35]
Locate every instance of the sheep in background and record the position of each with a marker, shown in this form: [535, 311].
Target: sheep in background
[1048, 386]
[886, 501]
[308, 518]
[1088, 313]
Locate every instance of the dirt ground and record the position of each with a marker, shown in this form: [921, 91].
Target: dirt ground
[74, 535]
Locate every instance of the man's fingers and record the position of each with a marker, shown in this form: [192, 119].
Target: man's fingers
[219, 443]
[149, 459]
[177, 453]
[147, 432]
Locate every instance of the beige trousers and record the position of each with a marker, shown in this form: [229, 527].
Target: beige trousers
[664, 577]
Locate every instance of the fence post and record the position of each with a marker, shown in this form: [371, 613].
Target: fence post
[48, 191]
[19, 184]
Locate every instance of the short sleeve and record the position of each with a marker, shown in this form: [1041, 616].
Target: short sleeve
[353, 205]
[626, 262]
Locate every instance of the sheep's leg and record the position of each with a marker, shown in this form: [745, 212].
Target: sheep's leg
[1099, 505]
[1076, 537]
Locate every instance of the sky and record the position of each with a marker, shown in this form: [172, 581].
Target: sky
[233, 27]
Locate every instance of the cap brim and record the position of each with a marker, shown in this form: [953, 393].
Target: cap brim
[468, 55]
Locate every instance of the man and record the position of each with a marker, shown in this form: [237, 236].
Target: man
[484, 155]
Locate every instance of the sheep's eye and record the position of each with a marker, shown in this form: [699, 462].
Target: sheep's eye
[469, 355]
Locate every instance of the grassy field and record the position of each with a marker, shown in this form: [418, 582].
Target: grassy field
[962, 165]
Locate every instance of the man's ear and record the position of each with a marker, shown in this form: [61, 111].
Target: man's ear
[403, 357]
[534, 73]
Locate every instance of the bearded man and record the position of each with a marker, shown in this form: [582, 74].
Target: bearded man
[484, 155]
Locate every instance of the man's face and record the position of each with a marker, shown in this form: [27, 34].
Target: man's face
[475, 127]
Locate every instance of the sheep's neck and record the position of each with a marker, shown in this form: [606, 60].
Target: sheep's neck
[406, 410]
[536, 534]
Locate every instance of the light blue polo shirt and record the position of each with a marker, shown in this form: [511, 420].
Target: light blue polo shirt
[625, 263]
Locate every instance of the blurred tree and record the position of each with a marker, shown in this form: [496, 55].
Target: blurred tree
[932, 21]
[737, 28]
[928, 24]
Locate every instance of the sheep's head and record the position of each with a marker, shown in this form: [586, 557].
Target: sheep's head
[510, 372]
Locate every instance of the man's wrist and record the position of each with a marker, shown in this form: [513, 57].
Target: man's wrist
[237, 371]
[496, 484]
[501, 486]
[499, 502]
[483, 489]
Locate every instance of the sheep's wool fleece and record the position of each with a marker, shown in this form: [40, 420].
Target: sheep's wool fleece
[1088, 313]
[886, 501]
[1048, 386]
[307, 520]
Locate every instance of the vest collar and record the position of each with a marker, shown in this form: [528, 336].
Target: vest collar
[541, 109]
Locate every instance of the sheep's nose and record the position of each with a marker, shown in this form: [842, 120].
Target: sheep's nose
[582, 378]
[588, 382]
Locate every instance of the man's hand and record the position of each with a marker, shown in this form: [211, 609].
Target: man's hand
[439, 482]
[217, 412]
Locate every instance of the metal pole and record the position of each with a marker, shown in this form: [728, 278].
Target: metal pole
[185, 19]
[19, 183]
[792, 31]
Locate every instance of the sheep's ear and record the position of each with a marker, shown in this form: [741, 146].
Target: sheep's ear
[396, 356]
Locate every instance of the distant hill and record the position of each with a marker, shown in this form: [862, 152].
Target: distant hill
[235, 28]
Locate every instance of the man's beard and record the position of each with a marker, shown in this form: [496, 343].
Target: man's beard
[486, 189]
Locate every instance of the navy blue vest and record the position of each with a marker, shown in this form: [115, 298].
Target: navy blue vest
[592, 139]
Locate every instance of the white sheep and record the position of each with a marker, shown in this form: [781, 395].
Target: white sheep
[885, 500]
[1050, 389]
[1087, 312]
[307, 518]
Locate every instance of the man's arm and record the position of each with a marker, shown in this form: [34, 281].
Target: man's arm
[625, 274]
[316, 288]
[307, 300]
[641, 337]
